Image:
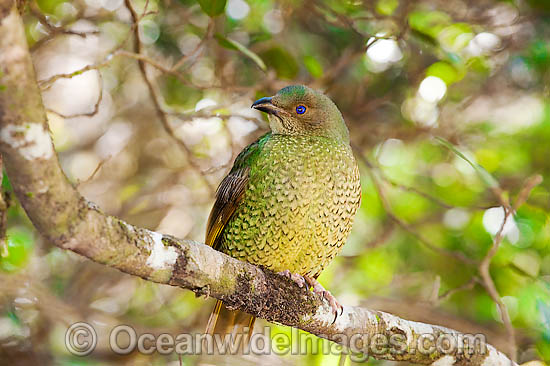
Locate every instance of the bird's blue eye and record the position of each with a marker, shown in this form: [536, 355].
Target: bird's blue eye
[300, 109]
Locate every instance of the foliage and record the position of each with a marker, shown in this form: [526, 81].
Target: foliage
[448, 107]
[212, 7]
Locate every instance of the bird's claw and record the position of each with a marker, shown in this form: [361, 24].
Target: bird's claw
[321, 291]
[294, 277]
[318, 289]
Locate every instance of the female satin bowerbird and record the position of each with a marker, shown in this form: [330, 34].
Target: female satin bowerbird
[289, 201]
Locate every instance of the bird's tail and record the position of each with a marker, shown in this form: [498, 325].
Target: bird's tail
[232, 327]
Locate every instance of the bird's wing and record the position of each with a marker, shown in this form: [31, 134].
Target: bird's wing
[231, 191]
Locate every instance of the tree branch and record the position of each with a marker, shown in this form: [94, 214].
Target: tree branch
[67, 220]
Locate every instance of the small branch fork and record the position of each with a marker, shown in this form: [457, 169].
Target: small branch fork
[53, 30]
[142, 60]
[485, 263]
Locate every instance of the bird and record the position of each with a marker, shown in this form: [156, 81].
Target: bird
[289, 201]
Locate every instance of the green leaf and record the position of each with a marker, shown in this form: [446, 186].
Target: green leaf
[539, 53]
[176, 94]
[313, 66]
[485, 176]
[479, 65]
[18, 247]
[234, 45]
[49, 6]
[6, 184]
[386, 7]
[429, 23]
[445, 71]
[212, 7]
[282, 61]
[456, 36]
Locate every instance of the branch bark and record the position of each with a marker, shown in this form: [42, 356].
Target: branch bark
[70, 222]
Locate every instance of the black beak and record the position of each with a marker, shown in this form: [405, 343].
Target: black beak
[264, 104]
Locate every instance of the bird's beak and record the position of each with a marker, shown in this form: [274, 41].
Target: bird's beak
[265, 105]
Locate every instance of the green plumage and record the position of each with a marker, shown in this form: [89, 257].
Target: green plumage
[298, 206]
[289, 201]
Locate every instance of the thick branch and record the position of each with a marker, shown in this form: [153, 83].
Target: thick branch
[67, 220]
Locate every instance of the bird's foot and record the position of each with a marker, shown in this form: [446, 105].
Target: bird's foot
[294, 277]
[321, 291]
[310, 282]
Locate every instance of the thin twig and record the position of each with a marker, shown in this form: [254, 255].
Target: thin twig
[485, 263]
[413, 190]
[96, 170]
[54, 30]
[93, 112]
[405, 226]
[46, 84]
[207, 114]
[491, 289]
[435, 289]
[446, 295]
[138, 49]
[198, 47]
[530, 183]
[167, 70]
[406, 188]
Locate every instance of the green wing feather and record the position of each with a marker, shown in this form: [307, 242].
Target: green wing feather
[231, 191]
[228, 196]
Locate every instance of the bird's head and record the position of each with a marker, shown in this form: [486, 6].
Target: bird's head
[299, 110]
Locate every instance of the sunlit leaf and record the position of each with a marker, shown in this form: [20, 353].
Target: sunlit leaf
[17, 249]
[445, 71]
[49, 6]
[234, 45]
[478, 64]
[313, 66]
[485, 176]
[429, 23]
[178, 94]
[386, 7]
[456, 36]
[282, 61]
[212, 7]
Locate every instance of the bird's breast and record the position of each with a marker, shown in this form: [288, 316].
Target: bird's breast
[298, 207]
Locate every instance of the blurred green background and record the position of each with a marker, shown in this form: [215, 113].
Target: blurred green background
[474, 73]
